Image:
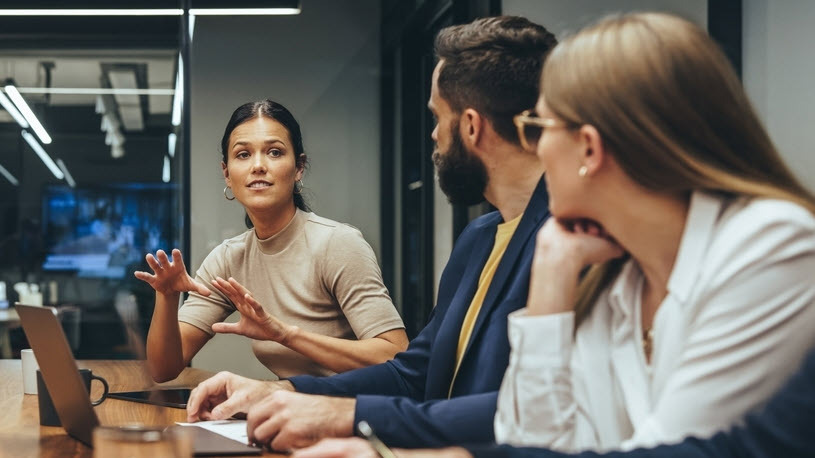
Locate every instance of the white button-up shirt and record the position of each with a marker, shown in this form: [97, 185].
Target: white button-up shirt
[738, 319]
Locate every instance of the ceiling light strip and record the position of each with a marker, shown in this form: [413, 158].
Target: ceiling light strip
[68, 176]
[244, 11]
[165, 171]
[28, 114]
[149, 12]
[46, 159]
[6, 103]
[8, 176]
[93, 91]
[178, 97]
[92, 12]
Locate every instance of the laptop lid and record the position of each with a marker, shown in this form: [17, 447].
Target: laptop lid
[59, 371]
[61, 376]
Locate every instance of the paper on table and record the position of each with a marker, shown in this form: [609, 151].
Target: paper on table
[231, 429]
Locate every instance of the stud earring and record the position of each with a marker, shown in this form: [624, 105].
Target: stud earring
[582, 171]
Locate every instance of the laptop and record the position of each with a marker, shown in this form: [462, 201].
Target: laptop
[71, 400]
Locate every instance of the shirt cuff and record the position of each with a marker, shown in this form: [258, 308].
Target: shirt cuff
[541, 340]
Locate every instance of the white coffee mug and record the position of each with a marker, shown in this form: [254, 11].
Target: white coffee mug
[30, 366]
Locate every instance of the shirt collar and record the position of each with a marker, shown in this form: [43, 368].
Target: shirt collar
[703, 214]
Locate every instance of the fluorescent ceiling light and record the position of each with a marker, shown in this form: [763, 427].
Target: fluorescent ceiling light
[172, 139]
[165, 172]
[28, 114]
[93, 91]
[46, 159]
[147, 11]
[244, 11]
[6, 103]
[8, 176]
[68, 176]
[179, 93]
[92, 12]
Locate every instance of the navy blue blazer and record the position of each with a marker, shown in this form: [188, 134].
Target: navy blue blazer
[405, 400]
[784, 428]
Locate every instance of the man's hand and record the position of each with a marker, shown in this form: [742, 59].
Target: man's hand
[287, 420]
[226, 394]
[359, 448]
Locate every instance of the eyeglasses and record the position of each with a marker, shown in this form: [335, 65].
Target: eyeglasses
[530, 128]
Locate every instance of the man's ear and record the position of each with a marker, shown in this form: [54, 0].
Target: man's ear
[472, 127]
[593, 156]
[225, 171]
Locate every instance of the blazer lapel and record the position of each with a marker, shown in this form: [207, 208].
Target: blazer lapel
[446, 344]
[536, 210]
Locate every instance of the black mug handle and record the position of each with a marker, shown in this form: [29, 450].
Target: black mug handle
[104, 394]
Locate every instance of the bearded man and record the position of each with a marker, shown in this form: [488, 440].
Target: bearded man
[443, 389]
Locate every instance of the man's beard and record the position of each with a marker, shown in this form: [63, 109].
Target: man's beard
[462, 175]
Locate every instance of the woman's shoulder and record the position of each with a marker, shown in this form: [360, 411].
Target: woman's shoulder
[330, 230]
[760, 231]
[237, 243]
[751, 217]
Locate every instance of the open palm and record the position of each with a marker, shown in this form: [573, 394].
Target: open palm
[170, 277]
[255, 322]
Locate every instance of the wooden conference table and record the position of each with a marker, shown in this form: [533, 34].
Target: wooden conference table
[22, 436]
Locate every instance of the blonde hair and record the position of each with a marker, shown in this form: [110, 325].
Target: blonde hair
[671, 111]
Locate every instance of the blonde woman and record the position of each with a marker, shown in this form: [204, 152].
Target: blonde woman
[699, 300]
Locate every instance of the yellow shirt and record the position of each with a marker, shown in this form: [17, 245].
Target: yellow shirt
[503, 234]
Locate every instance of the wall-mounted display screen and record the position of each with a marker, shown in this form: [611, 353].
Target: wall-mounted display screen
[99, 232]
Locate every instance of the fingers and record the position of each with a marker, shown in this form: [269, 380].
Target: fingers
[270, 414]
[238, 287]
[263, 423]
[200, 288]
[163, 259]
[177, 259]
[226, 409]
[153, 263]
[224, 287]
[226, 328]
[254, 304]
[144, 276]
[208, 393]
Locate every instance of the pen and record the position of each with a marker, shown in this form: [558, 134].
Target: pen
[379, 446]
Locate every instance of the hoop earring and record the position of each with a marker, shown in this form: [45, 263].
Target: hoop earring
[227, 197]
[582, 171]
[298, 186]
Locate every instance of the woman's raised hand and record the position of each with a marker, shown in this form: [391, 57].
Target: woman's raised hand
[255, 323]
[170, 277]
[562, 250]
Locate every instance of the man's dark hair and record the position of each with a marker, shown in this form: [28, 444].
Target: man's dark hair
[493, 65]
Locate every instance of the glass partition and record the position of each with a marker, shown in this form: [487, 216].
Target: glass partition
[91, 172]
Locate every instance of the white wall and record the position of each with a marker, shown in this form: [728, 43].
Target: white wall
[779, 75]
[323, 65]
[562, 17]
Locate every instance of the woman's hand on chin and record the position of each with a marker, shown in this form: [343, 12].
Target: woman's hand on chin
[170, 277]
[255, 322]
[562, 250]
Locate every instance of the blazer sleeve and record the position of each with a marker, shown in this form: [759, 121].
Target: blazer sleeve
[402, 422]
[405, 375]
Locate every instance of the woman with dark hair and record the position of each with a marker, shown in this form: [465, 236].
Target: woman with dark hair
[317, 303]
